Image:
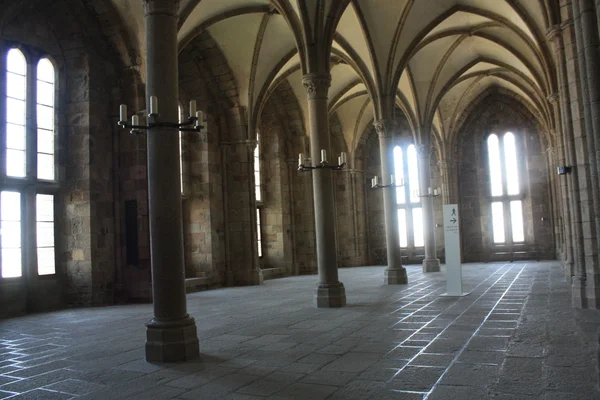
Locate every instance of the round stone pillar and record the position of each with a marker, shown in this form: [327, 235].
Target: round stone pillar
[330, 291]
[395, 273]
[431, 263]
[171, 334]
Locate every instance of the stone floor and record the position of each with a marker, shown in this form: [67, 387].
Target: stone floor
[514, 337]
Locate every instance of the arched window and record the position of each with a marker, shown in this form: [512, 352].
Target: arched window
[410, 212]
[29, 184]
[505, 190]
[180, 113]
[16, 96]
[258, 193]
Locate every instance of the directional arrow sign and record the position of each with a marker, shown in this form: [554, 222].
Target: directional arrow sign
[452, 242]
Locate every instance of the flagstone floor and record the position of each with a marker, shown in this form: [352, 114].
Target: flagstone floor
[514, 337]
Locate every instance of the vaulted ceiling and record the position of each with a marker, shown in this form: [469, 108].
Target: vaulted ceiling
[430, 59]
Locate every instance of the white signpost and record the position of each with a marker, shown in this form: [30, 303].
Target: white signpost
[452, 242]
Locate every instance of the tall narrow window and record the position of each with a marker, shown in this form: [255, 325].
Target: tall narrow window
[180, 113]
[28, 195]
[258, 232]
[410, 213]
[45, 120]
[258, 194]
[257, 181]
[45, 233]
[505, 189]
[10, 230]
[16, 90]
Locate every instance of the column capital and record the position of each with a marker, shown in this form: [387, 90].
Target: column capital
[553, 98]
[384, 128]
[554, 32]
[316, 85]
[167, 7]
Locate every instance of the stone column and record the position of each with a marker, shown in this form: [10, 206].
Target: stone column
[431, 263]
[330, 291]
[448, 172]
[395, 273]
[586, 42]
[171, 334]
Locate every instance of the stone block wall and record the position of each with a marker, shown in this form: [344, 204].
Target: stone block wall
[499, 114]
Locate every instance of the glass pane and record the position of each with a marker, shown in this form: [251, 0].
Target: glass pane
[11, 206]
[402, 227]
[45, 167]
[510, 157]
[45, 93]
[11, 234]
[44, 207]
[516, 219]
[11, 263]
[399, 174]
[419, 236]
[180, 155]
[45, 258]
[15, 111]
[45, 117]
[495, 167]
[498, 222]
[15, 86]
[45, 234]
[15, 62]
[258, 233]
[45, 141]
[45, 71]
[257, 193]
[413, 173]
[15, 163]
[15, 136]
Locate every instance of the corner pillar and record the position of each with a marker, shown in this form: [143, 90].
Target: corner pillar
[330, 291]
[171, 334]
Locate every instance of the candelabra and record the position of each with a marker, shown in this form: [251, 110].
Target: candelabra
[430, 193]
[323, 164]
[195, 119]
[375, 183]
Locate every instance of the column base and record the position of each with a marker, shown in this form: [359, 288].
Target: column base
[431, 265]
[172, 341]
[395, 276]
[578, 297]
[330, 295]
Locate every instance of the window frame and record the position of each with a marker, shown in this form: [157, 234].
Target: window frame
[408, 205]
[505, 199]
[258, 187]
[30, 185]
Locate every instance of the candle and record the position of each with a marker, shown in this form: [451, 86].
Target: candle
[343, 156]
[135, 120]
[300, 159]
[376, 180]
[391, 179]
[436, 191]
[340, 160]
[372, 182]
[323, 156]
[429, 191]
[199, 118]
[153, 105]
[192, 108]
[123, 112]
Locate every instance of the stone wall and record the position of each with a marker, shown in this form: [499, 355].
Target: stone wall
[499, 114]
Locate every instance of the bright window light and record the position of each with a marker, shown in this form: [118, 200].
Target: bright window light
[10, 231]
[498, 222]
